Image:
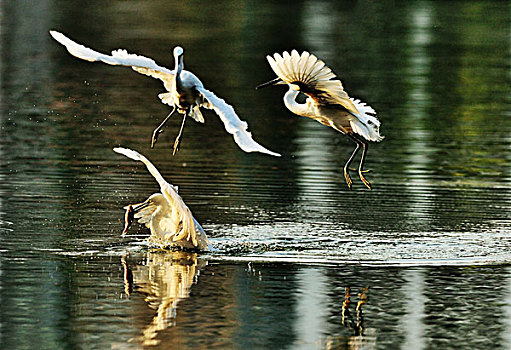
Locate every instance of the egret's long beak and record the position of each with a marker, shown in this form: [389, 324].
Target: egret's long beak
[275, 81]
[140, 206]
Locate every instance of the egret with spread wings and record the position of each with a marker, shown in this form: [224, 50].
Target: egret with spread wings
[185, 92]
[171, 222]
[326, 102]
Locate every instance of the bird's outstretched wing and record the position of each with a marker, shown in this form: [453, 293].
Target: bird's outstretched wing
[119, 57]
[233, 124]
[312, 76]
[152, 169]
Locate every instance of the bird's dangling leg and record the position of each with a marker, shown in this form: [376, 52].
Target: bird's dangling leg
[177, 143]
[361, 165]
[348, 163]
[159, 130]
[363, 171]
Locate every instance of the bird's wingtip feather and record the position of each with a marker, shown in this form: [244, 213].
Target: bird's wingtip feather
[119, 149]
[274, 154]
[57, 36]
[128, 152]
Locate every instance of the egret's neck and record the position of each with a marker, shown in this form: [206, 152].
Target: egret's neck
[178, 69]
[295, 107]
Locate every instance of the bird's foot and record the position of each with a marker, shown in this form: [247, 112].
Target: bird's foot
[347, 176]
[177, 143]
[364, 180]
[156, 133]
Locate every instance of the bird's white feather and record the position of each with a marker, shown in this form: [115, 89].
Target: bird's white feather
[318, 81]
[366, 124]
[313, 75]
[233, 124]
[119, 57]
[144, 215]
[189, 81]
[166, 188]
[178, 224]
[152, 169]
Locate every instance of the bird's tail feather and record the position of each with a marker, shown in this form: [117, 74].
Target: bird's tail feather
[366, 124]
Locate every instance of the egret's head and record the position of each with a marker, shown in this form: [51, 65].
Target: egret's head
[155, 199]
[178, 51]
[276, 81]
[294, 87]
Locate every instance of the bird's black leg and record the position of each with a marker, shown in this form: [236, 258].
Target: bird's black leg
[348, 163]
[159, 130]
[365, 146]
[179, 136]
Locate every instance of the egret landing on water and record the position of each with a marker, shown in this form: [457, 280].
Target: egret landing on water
[326, 102]
[165, 214]
[186, 94]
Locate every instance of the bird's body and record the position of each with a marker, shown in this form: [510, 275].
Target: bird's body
[185, 92]
[171, 222]
[326, 102]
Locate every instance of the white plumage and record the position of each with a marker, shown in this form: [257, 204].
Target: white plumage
[186, 93]
[326, 102]
[171, 222]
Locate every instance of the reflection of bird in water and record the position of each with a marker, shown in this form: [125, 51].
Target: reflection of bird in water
[165, 214]
[186, 94]
[347, 318]
[326, 102]
[359, 339]
[165, 278]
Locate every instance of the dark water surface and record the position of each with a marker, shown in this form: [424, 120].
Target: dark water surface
[425, 254]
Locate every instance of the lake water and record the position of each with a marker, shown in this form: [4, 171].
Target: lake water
[422, 261]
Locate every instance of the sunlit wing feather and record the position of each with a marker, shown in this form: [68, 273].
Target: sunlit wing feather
[318, 81]
[152, 169]
[148, 66]
[233, 124]
[312, 76]
[119, 57]
[186, 218]
[144, 215]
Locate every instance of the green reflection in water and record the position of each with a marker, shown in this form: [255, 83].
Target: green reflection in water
[437, 73]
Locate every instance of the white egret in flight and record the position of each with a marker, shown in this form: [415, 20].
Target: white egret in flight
[186, 94]
[171, 222]
[326, 102]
